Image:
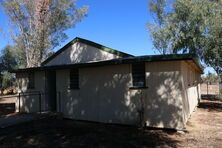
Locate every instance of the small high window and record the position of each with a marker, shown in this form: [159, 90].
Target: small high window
[74, 79]
[138, 75]
[31, 80]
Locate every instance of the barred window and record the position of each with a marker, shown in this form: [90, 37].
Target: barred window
[138, 75]
[74, 79]
[31, 80]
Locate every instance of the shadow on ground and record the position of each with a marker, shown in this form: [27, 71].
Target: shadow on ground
[7, 108]
[57, 132]
[69, 133]
[211, 105]
[211, 97]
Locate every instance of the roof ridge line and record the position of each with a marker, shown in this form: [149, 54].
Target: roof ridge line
[103, 46]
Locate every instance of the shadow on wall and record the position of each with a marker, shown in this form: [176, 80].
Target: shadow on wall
[29, 103]
[163, 102]
[104, 96]
[80, 53]
[29, 99]
[86, 53]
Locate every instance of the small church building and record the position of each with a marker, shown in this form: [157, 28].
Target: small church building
[88, 81]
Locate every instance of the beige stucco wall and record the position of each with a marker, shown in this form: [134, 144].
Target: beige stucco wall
[30, 103]
[80, 53]
[105, 95]
[191, 87]
[163, 97]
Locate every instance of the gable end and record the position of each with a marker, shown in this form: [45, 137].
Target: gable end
[90, 43]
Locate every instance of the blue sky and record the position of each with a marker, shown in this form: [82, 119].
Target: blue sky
[119, 24]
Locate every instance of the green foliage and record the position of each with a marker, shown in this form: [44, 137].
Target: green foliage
[189, 26]
[8, 79]
[39, 25]
[211, 77]
[157, 7]
[8, 59]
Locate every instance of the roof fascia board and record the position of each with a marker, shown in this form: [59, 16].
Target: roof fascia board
[128, 60]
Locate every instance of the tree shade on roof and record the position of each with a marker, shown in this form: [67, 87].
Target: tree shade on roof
[126, 60]
[90, 43]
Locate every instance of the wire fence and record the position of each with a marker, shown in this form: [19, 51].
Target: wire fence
[211, 90]
[40, 98]
[21, 95]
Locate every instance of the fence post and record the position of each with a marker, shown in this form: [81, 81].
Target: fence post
[59, 101]
[19, 102]
[207, 88]
[40, 103]
[220, 93]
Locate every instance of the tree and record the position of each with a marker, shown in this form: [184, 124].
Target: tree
[8, 60]
[189, 26]
[8, 79]
[39, 25]
[210, 78]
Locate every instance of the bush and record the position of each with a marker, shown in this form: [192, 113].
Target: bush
[8, 79]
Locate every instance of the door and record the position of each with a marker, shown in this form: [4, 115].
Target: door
[51, 90]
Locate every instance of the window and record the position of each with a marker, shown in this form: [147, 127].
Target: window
[74, 79]
[31, 80]
[138, 75]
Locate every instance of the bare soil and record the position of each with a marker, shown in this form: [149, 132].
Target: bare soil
[204, 129]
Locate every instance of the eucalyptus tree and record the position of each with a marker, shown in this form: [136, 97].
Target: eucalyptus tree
[39, 25]
[188, 26]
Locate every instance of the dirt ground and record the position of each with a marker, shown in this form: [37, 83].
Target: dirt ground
[204, 129]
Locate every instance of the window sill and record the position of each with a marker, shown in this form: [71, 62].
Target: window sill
[138, 87]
